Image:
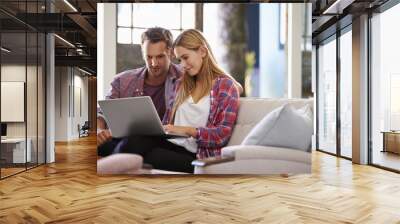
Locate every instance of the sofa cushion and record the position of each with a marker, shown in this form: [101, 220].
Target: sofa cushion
[283, 127]
[253, 110]
[242, 152]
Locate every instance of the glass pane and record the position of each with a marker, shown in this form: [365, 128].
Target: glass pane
[124, 14]
[394, 102]
[124, 35]
[175, 33]
[136, 35]
[13, 71]
[385, 89]
[147, 15]
[32, 7]
[42, 6]
[31, 99]
[188, 15]
[212, 29]
[327, 97]
[346, 94]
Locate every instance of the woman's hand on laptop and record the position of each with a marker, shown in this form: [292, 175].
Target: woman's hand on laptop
[191, 131]
[103, 135]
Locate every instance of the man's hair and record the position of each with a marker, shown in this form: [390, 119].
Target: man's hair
[157, 34]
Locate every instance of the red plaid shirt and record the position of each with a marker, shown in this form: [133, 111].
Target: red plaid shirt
[130, 83]
[223, 113]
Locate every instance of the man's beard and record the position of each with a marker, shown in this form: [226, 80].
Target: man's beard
[157, 72]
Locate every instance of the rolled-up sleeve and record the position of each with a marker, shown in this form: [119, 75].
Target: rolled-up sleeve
[113, 93]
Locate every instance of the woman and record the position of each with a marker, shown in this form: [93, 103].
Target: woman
[205, 108]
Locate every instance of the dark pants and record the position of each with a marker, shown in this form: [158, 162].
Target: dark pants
[107, 148]
[156, 151]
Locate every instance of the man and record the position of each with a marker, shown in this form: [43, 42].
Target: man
[157, 80]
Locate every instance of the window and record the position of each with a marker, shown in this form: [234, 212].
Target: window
[334, 94]
[394, 101]
[385, 86]
[346, 94]
[327, 96]
[212, 29]
[22, 65]
[134, 18]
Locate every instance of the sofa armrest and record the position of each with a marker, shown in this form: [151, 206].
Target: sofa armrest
[245, 152]
[212, 160]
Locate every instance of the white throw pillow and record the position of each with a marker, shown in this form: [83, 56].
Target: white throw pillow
[283, 127]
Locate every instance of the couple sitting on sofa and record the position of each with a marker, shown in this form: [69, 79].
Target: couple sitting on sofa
[196, 98]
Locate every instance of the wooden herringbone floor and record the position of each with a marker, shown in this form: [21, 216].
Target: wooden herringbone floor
[69, 191]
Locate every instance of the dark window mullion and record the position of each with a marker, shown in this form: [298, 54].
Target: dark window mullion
[44, 72]
[131, 23]
[369, 79]
[26, 87]
[0, 95]
[37, 91]
[317, 97]
[180, 17]
[338, 98]
[131, 15]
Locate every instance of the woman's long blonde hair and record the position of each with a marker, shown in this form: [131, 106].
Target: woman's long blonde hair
[193, 39]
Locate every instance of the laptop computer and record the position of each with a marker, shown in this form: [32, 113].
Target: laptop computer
[134, 115]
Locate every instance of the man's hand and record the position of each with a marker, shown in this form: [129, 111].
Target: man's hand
[101, 123]
[103, 135]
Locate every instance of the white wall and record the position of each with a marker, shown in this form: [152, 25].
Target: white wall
[67, 115]
[33, 127]
[14, 73]
[106, 47]
[17, 73]
[80, 84]
[50, 93]
[360, 90]
[314, 91]
[294, 66]
[61, 103]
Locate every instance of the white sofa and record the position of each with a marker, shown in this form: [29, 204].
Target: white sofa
[244, 159]
[258, 159]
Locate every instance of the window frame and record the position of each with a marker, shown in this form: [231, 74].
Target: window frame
[324, 36]
[333, 37]
[42, 38]
[380, 9]
[132, 27]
